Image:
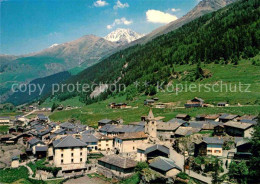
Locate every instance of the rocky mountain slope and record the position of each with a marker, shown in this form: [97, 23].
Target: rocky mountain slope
[204, 7]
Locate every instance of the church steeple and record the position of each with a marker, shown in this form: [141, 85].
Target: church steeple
[150, 115]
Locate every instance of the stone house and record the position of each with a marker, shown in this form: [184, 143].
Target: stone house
[114, 166]
[70, 154]
[129, 142]
[240, 129]
[155, 151]
[165, 166]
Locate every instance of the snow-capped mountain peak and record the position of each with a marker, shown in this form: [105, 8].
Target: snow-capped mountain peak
[54, 45]
[123, 36]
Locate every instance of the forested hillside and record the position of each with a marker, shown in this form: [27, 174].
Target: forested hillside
[222, 37]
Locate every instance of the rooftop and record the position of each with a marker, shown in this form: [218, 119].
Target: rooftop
[162, 148]
[239, 125]
[68, 142]
[132, 135]
[163, 164]
[119, 161]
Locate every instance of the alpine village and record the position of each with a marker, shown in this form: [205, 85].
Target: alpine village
[144, 133]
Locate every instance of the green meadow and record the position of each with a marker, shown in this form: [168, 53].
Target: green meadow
[241, 102]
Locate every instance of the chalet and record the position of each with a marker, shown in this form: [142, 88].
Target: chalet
[184, 117]
[243, 148]
[247, 118]
[149, 102]
[31, 108]
[104, 122]
[165, 166]
[42, 118]
[155, 151]
[140, 155]
[196, 102]
[160, 106]
[185, 131]
[60, 108]
[222, 104]
[116, 166]
[219, 130]
[67, 126]
[209, 146]
[212, 117]
[214, 145]
[5, 120]
[200, 117]
[129, 142]
[69, 153]
[91, 141]
[36, 147]
[15, 162]
[227, 117]
[234, 128]
[41, 151]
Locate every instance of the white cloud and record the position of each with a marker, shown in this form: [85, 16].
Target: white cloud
[100, 3]
[123, 21]
[156, 16]
[175, 10]
[121, 5]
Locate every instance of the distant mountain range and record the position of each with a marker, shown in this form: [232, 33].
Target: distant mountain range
[123, 36]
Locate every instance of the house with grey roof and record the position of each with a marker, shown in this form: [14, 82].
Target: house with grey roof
[69, 153]
[104, 122]
[156, 150]
[227, 117]
[128, 142]
[165, 166]
[33, 145]
[91, 141]
[214, 145]
[115, 166]
[185, 131]
[240, 129]
[42, 118]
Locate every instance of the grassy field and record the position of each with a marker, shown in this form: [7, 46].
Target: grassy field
[4, 128]
[241, 102]
[12, 175]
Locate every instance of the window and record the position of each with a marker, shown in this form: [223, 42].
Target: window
[133, 148]
[61, 155]
[81, 149]
[217, 151]
[62, 150]
[72, 154]
[72, 149]
[80, 159]
[61, 161]
[80, 153]
[106, 140]
[72, 160]
[209, 151]
[106, 144]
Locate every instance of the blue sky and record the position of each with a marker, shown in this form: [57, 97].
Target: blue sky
[32, 25]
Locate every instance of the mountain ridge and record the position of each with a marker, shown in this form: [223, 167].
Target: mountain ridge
[203, 7]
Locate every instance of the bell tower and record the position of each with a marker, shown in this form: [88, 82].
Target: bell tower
[151, 125]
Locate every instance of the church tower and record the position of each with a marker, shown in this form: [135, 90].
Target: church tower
[151, 125]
